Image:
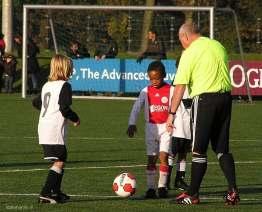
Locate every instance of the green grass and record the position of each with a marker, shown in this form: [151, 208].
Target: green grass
[101, 141]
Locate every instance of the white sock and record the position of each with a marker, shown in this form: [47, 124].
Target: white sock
[56, 169]
[163, 173]
[181, 166]
[170, 160]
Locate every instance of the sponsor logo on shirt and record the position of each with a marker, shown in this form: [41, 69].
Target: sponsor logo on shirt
[158, 108]
[164, 99]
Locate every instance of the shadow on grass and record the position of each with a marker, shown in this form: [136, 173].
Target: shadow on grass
[243, 189]
[94, 199]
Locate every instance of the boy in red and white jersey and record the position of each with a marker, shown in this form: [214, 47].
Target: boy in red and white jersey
[155, 99]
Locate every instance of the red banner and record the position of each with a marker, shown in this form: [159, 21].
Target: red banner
[239, 78]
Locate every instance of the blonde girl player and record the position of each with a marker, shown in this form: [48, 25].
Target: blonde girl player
[155, 99]
[54, 102]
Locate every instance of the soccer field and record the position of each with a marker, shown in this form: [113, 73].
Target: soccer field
[99, 150]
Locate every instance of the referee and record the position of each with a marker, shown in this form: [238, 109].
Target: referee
[203, 68]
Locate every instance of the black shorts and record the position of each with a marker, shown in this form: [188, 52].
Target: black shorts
[181, 145]
[55, 152]
[211, 116]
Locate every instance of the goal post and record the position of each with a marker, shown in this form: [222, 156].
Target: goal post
[94, 8]
[231, 11]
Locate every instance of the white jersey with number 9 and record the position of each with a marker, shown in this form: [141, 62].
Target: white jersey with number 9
[52, 124]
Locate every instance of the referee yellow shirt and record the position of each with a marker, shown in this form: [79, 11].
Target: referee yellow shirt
[204, 68]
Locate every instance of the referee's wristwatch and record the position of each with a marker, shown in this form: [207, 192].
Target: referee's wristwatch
[172, 113]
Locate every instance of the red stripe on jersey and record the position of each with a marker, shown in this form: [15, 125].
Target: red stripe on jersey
[158, 102]
[163, 168]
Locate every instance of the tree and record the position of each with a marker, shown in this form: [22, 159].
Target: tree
[147, 21]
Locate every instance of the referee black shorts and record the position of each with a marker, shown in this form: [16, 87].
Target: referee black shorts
[211, 116]
[55, 152]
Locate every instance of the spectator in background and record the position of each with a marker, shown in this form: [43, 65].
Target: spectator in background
[2, 44]
[18, 45]
[76, 51]
[106, 48]
[33, 68]
[9, 65]
[155, 48]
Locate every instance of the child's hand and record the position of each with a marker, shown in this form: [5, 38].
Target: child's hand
[76, 123]
[131, 130]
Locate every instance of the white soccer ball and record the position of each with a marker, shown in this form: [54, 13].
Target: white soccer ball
[124, 185]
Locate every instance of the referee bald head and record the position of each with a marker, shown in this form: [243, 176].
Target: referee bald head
[188, 32]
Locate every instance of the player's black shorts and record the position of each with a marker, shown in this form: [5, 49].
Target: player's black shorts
[211, 116]
[181, 145]
[55, 152]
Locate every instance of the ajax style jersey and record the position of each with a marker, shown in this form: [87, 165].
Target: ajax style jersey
[52, 124]
[156, 103]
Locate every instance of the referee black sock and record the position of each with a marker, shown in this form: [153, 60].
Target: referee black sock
[51, 182]
[227, 164]
[198, 170]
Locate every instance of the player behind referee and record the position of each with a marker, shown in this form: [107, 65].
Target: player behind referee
[204, 69]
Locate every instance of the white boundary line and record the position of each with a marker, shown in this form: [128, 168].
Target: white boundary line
[107, 138]
[72, 195]
[77, 138]
[72, 168]
[105, 97]
[109, 167]
[114, 196]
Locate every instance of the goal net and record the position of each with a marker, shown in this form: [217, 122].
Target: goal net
[56, 28]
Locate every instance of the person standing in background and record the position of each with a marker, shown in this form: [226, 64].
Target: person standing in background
[181, 141]
[155, 48]
[76, 51]
[33, 68]
[2, 44]
[106, 48]
[9, 64]
[18, 45]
